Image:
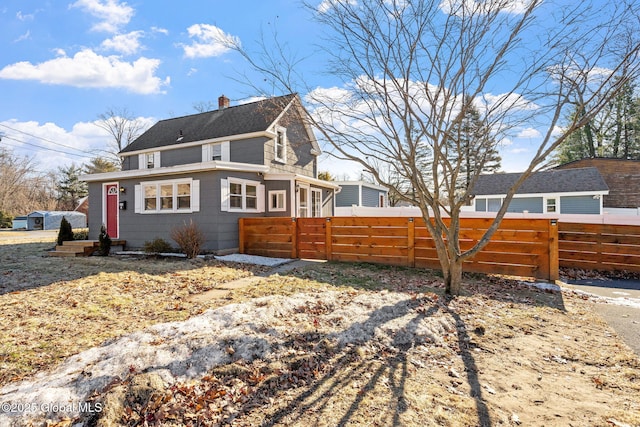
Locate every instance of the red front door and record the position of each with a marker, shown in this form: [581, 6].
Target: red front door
[112, 210]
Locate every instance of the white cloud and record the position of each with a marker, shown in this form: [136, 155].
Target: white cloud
[88, 69]
[209, 41]
[326, 5]
[160, 30]
[473, 7]
[25, 36]
[24, 17]
[112, 14]
[51, 146]
[529, 133]
[127, 44]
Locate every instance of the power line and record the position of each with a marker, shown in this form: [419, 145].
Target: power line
[45, 139]
[46, 148]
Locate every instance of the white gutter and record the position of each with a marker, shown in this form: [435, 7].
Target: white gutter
[174, 170]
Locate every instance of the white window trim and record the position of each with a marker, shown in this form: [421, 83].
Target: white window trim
[276, 193]
[556, 205]
[280, 130]
[225, 151]
[142, 160]
[194, 196]
[225, 186]
[316, 214]
[307, 208]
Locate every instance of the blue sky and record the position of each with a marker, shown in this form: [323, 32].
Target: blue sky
[64, 62]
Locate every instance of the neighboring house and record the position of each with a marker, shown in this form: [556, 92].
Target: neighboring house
[20, 223]
[50, 220]
[256, 159]
[360, 193]
[622, 177]
[571, 191]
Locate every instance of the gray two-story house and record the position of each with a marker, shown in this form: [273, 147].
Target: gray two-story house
[255, 159]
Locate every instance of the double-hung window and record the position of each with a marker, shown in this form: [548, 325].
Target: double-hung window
[149, 160]
[280, 145]
[171, 196]
[241, 195]
[220, 151]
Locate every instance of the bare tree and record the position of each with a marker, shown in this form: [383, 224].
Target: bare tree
[22, 189]
[410, 72]
[123, 127]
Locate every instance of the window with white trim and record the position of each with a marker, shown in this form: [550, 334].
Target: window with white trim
[171, 196]
[240, 195]
[280, 145]
[277, 201]
[316, 203]
[552, 206]
[219, 151]
[149, 160]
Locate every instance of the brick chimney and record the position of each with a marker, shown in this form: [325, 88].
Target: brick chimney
[223, 102]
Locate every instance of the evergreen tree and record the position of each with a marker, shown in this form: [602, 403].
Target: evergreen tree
[472, 147]
[613, 133]
[100, 165]
[65, 233]
[70, 188]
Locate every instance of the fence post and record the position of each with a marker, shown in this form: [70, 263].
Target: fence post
[294, 238]
[554, 252]
[411, 240]
[241, 243]
[327, 241]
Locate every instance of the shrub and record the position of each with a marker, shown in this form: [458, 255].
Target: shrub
[65, 233]
[189, 238]
[157, 246]
[6, 220]
[105, 242]
[81, 234]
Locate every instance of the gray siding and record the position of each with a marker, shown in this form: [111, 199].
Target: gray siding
[299, 157]
[275, 186]
[481, 205]
[220, 228]
[348, 196]
[371, 197]
[531, 204]
[248, 151]
[181, 156]
[130, 163]
[579, 205]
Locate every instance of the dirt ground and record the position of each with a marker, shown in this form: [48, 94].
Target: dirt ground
[340, 344]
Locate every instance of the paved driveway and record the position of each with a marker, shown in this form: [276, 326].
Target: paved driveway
[622, 310]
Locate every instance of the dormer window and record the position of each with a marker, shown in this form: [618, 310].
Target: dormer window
[280, 145]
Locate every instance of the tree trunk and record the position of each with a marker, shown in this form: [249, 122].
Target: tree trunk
[453, 278]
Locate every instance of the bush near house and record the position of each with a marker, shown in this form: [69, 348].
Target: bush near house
[105, 242]
[189, 238]
[65, 233]
[157, 246]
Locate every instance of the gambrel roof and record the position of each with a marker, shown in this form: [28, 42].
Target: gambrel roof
[551, 181]
[225, 122]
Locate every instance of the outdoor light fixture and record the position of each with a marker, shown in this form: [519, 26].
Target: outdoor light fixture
[123, 190]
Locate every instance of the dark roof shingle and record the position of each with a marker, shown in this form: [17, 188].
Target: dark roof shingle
[551, 181]
[236, 120]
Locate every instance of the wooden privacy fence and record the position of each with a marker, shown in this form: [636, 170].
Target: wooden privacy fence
[599, 246]
[519, 247]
